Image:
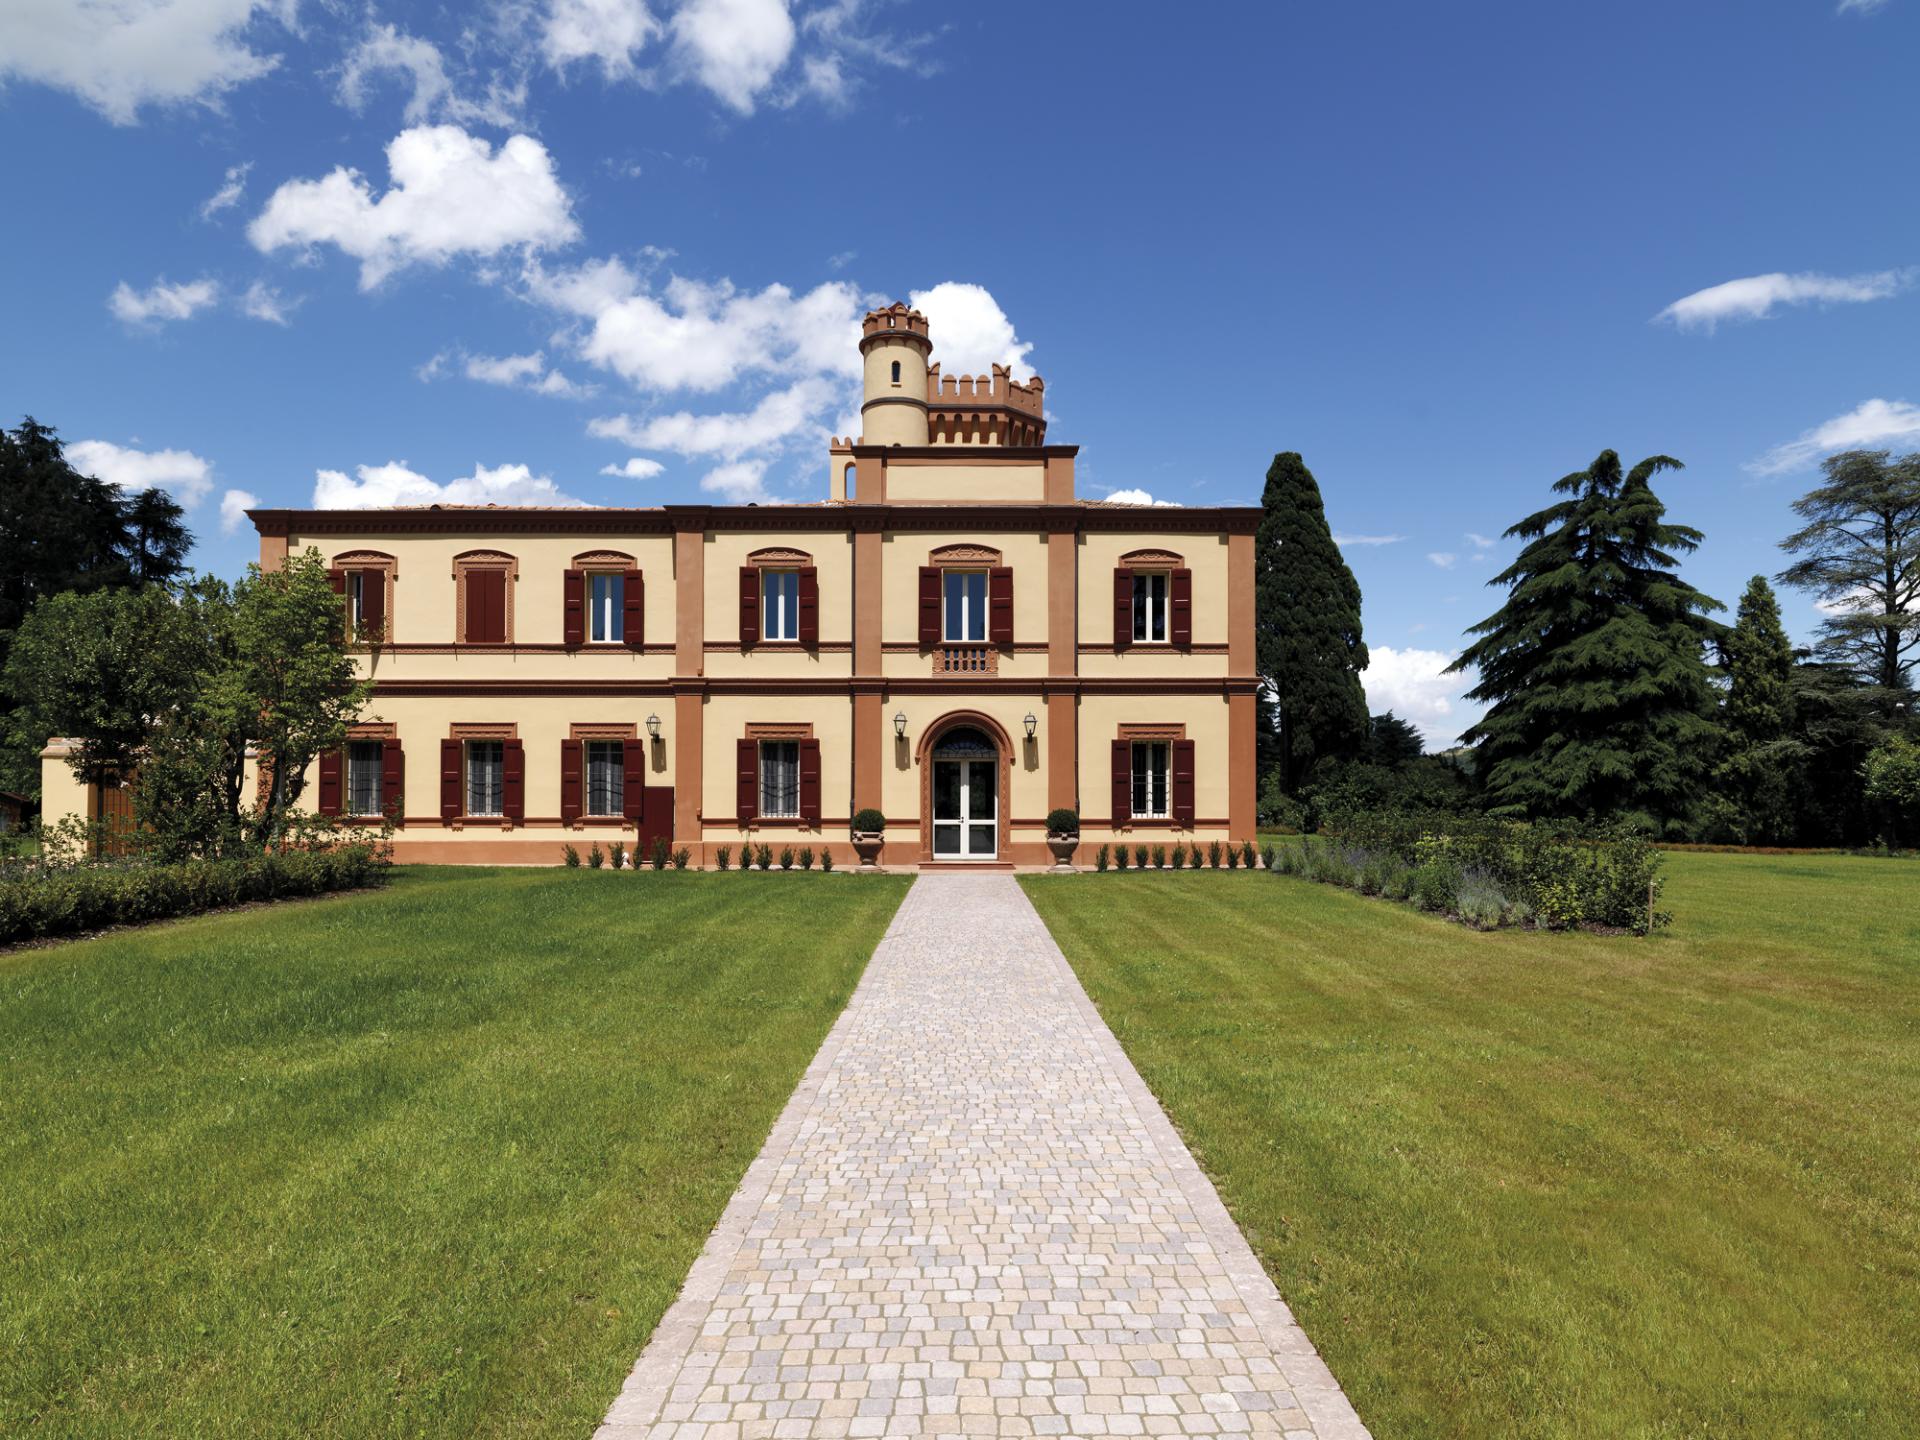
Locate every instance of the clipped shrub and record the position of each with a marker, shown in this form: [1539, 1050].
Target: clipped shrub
[1246, 854]
[682, 858]
[1159, 857]
[1120, 857]
[596, 857]
[617, 854]
[1139, 857]
[1102, 857]
[1266, 856]
[1213, 854]
[569, 857]
[1063, 821]
[1233, 858]
[659, 856]
[1179, 857]
[826, 859]
[763, 857]
[869, 821]
[806, 857]
[723, 856]
[786, 857]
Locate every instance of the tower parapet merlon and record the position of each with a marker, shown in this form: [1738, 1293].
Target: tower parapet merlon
[999, 388]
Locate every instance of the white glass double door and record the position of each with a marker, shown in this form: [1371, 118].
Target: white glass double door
[965, 808]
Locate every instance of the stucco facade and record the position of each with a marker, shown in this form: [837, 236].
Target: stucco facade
[952, 619]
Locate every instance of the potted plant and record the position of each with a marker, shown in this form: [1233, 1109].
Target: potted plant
[869, 834]
[1063, 834]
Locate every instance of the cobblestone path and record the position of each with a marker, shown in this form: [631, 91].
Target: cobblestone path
[973, 1219]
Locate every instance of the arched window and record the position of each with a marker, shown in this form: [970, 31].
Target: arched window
[896, 372]
[847, 477]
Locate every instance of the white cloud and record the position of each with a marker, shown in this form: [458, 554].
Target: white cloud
[970, 331]
[263, 302]
[779, 416]
[1869, 426]
[740, 481]
[180, 471]
[1480, 542]
[636, 468]
[1445, 559]
[387, 49]
[451, 194]
[1343, 540]
[229, 193]
[1139, 497]
[120, 55]
[732, 47]
[613, 32]
[233, 510]
[521, 372]
[1860, 7]
[1756, 296]
[379, 486]
[162, 302]
[1413, 684]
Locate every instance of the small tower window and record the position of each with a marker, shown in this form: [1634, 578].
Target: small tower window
[896, 372]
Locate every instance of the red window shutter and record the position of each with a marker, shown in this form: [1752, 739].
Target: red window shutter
[513, 780]
[1122, 607]
[486, 607]
[1180, 607]
[571, 762]
[633, 615]
[929, 604]
[1181, 758]
[573, 608]
[450, 775]
[809, 605]
[810, 781]
[330, 782]
[746, 799]
[393, 781]
[373, 604]
[337, 579]
[749, 606]
[1000, 605]
[1122, 782]
[633, 774]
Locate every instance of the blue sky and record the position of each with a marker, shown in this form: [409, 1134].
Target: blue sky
[614, 251]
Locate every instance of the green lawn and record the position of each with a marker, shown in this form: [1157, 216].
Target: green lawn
[1554, 1185]
[425, 1161]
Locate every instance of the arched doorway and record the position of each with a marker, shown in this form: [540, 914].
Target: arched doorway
[963, 788]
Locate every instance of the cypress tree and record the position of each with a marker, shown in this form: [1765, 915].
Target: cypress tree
[1307, 620]
[1755, 778]
[1594, 668]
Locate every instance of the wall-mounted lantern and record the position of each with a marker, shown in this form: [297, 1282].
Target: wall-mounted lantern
[653, 726]
[1031, 724]
[900, 724]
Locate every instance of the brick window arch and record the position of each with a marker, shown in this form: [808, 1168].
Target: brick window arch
[364, 578]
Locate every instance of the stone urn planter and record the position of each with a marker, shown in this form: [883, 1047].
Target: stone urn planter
[869, 834]
[1063, 838]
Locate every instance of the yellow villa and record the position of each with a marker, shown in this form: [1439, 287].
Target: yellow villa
[951, 637]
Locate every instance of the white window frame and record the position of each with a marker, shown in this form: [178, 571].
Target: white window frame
[356, 593]
[357, 760]
[954, 628]
[783, 752]
[499, 762]
[781, 621]
[617, 791]
[1157, 769]
[608, 628]
[1147, 608]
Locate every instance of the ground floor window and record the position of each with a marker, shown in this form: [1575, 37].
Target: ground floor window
[780, 778]
[364, 761]
[486, 766]
[606, 777]
[1149, 779]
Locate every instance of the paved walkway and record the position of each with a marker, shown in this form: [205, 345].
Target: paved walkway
[973, 1219]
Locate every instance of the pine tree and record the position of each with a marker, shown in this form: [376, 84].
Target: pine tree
[1755, 779]
[1601, 704]
[1307, 620]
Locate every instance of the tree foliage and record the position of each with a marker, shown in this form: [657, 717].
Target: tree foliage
[1594, 671]
[1860, 558]
[1752, 799]
[1307, 621]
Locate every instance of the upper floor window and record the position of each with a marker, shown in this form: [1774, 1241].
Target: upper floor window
[779, 604]
[606, 777]
[780, 778]
[965, 605]
[358, 582]
[1149, 605]
[486, 777]
[896, 372]
[607, 610]
[1150, 779]
[365, 759]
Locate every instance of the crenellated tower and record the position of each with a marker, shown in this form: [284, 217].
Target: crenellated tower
[894, 348]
